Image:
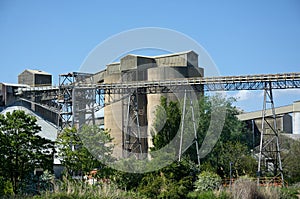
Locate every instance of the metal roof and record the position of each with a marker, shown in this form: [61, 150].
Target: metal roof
[15, 85]
[40, 72]
[48, 130]
[159, 56]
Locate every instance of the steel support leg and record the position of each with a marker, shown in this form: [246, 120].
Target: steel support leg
[269, 159]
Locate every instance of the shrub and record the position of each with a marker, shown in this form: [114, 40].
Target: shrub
[202, 195]
[207, 181]
[6, 187]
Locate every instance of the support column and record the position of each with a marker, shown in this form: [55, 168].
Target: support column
[269, 160]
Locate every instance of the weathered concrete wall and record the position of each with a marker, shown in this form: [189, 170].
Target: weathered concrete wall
[34, 79]
[128, 62]
[296, 117]
[113, 119]
[141, 68]
[26, 78]
[284, 110]
[286, 123]
[112, 69]
[192, 59]
[172, 60]
[283, 123]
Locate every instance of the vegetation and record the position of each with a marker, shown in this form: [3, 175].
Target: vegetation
[22, 149]
[87, 149]
[77, 158]
[207, 181]
[291, 159]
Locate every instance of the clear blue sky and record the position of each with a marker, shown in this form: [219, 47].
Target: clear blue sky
[242, 37]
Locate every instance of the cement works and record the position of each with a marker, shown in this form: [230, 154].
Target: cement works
[128, 93]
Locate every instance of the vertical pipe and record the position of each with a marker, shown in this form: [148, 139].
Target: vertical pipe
[253, 134]
[230, 174]
[182, 126]
[195, 133]
[262, 135]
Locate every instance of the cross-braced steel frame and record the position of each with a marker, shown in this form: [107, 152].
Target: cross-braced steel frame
[269, 154]
[269, 159]
[76, 103]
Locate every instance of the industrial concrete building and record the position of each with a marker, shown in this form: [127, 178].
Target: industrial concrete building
[143, 68]
[8, 93]
[287, 118]
[35, 78]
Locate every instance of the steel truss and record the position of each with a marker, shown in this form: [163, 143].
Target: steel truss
[133, 134]
[226, 83]
[76, 87]
[269, 159]
[76, 103]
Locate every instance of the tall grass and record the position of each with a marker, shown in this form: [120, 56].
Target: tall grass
[245, 188]
[68, 189]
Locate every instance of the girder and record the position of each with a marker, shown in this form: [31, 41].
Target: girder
[222, 83]
[59, 99]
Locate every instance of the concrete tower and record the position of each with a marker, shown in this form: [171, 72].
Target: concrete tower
[143, 68]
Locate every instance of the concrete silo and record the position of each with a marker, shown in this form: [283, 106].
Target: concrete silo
[142, 68]
[296, 117]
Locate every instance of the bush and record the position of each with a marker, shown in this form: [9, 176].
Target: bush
[288, 193]
[207, 181]
[6, 187]
[159, 186]
[202, 195]
[209, 195]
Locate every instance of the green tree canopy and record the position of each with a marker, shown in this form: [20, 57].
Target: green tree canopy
[233, 145]
[168, 116]
[84, 150]
[21, 148]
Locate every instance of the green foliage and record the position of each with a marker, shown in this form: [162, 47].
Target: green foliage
[173, 181]
[203, 195]
[127, 181]
[76, 157]
[290, 160]
[209, 195]
[289, 193]
[21, 148]
[207, 181]
[6, 187]
[233, 145]
[238, 154]
[169, 113]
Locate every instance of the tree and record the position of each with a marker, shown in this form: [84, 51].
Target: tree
[21, 148]
[291, 159]
[170, 127]
[84, 150]
[233, 141]
[239, 156]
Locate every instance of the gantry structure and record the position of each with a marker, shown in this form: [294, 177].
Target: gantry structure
[78, 97]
